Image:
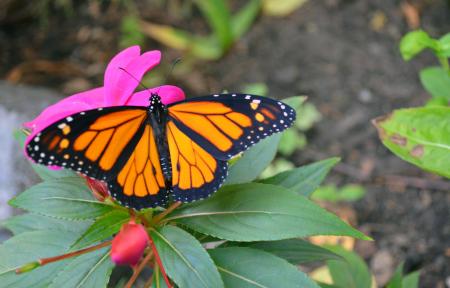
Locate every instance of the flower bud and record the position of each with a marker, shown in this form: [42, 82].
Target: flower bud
[128, 246]
[98, 188]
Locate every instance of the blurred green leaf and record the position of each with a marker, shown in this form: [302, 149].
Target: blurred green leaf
[88, 270]
[105, 226]
[415, 42]
[281, 8]
[295, 101]
[256, 89]
[67, 198]
[331, 193]
[308, 115]
[398, 280]
[352, 272]
[246, 267]
[436, 81]
[202, 47]
[185, 260]
[130, 32]
[411, 280]
[444, 42]
[246, 212]
[254, 161]
[295, 251]
[218, 16]
[420, 136]
[305, 179]
[243, 19]
[291, 140]
[30, 222]
[277, 166]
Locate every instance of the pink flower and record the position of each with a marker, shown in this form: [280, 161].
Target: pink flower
[118, 89]
[128, 246]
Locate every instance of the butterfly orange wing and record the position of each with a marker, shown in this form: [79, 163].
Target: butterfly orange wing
[96, 143]
[227, 124]
[140, 183]
[195, 173]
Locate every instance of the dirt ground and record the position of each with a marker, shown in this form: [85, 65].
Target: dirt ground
[330, 50]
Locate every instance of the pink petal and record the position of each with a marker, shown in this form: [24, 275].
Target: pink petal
[168, 93]
[120, 84]
[113, 72]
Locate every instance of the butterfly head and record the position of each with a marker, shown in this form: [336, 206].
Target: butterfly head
[155, 103]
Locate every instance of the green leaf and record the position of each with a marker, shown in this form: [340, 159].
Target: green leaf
[31, 246]
[67, 198]
[243, 20]
[31, 222]
[247, 212]
[218, 16]
[309, 116]
[185, 260]
[396, 280]
[331, 193]
[444, 42]
[436, 81]
[47, 174]
[351, 273]
[103, 227]
[304, 179]
[254, 161]
[291, 140]
[399, 281]
[256, 89]
[130, 31]
[246, 267]
[411, 280]
[295, 251]
[89, 270]
[201, 47]
[415, 42]
[281, 8]
[420, 136]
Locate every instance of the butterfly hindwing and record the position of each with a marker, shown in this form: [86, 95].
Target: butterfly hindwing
[96, 142]
[196, 174]
[140, 183]
[227, 124]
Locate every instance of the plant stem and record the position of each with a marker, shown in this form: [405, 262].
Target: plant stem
[150, 280]
[138, 270]
[163, 214]
[159, 263]
[45, 261]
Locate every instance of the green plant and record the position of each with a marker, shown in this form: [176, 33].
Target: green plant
[421, 135]
[255, 221]
[226, 29]
[350, 271]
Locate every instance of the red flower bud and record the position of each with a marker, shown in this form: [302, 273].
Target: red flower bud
[128, 246]
[98, 188]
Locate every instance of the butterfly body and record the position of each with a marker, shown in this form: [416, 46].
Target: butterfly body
[149, 156]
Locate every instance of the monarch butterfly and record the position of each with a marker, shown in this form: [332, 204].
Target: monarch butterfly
[151, 155]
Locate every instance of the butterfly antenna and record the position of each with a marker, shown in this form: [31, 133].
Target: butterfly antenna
[175, 62]
[131, 75]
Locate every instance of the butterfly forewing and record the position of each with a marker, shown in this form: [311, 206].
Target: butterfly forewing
[96, 143]
[227, 124]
